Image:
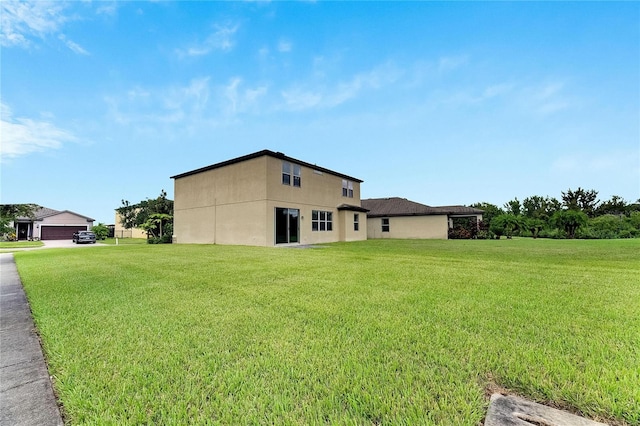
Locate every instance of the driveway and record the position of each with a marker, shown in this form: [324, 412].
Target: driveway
[67, 244]
[53, 244]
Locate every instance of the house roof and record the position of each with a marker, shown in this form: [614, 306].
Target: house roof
[351, 207]
[262, 153]
[44, 212]
[396, 206]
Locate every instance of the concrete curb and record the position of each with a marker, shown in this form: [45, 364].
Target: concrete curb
[26, 393]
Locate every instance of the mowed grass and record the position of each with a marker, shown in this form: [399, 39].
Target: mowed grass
[123, 241]
[374, 332]
[7, 246]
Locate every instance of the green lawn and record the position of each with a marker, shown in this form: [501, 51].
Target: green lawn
[374, 332]
[8, 246]
[123, 241]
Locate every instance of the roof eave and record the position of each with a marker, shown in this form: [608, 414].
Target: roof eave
[264, 152]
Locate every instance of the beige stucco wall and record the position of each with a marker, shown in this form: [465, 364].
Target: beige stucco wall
[222, 206]
[424, 227]
[121, 232]
[347, 231]
[236, 204]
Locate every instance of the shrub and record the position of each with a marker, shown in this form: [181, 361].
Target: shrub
[101, 231]
[464, 229]
[9, 236]
[607, 226]
[553, 233]
[165, 239]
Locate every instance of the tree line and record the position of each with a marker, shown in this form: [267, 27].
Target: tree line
[578, 214]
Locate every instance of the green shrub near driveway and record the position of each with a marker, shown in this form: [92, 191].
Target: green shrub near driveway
[373, 332]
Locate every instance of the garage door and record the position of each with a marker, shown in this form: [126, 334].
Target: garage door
[59, 232]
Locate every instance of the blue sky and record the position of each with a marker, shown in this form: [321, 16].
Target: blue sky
[439, 102]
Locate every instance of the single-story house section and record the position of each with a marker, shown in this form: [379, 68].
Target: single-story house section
[50, 224]
[267, 199]
[401, 218]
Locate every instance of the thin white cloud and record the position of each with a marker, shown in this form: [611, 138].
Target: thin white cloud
[21, 136]
[109, 8]
[546, 99]
[220, 39]
[263, 52]
[23, 22]
[197, 103]
[450, 63]
[284, 46]
[240, 99]
[193, 97]
[75, 47]
[297, 99]
[533, 99]
[321, 95]
[474, 97]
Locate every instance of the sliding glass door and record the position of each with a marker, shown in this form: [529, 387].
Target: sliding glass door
[287, 225]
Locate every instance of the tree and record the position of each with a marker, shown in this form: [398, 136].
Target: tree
[513, 207]
[569, 221]
[533, 225]
[10, 212]
[580, 199]
[616, 205]
[153, 225]
[100, 230]
[537, 207]
[505, 224]
[148, 207]
[128, 214]
[152, 215]
[490, 211]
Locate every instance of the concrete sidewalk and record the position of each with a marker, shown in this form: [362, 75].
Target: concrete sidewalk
[26, 394]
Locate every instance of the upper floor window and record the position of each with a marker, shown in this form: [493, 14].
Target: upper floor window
[286, 173]
[287, 168]
[385, 224]
[296, 175]
[347, 188]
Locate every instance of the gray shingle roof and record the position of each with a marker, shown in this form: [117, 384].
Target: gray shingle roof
[351, 207]
[264, 152]
[396, 206]
[43, 212]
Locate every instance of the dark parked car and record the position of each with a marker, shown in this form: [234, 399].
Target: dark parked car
[84, 237]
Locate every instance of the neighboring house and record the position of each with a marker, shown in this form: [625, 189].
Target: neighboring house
[401, 218]
[267, 199]
[50, 224]
[120, 231]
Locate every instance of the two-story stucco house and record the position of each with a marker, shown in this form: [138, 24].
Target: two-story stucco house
[267, 199]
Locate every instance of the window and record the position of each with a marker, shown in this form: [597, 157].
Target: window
[296, 175]
[286, 173]
[385, 224]
[347, 188]
[321, 220]
[356, 222]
